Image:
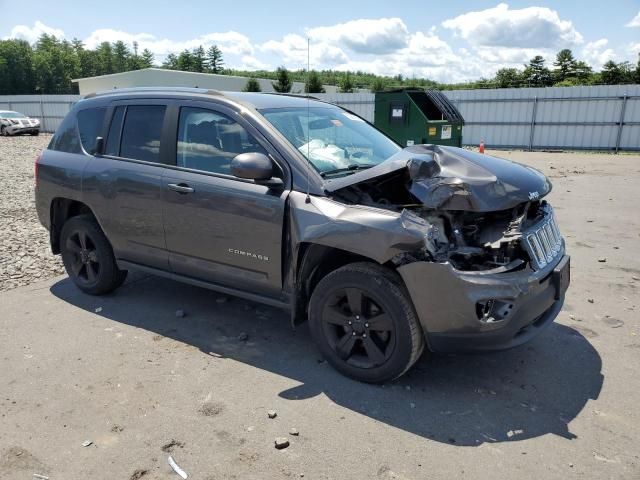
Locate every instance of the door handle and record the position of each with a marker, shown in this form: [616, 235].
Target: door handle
[180, 188]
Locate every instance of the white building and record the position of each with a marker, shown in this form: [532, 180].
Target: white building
[159, 77]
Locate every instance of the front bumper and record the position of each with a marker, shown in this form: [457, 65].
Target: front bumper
[18, 129]
[447, 303]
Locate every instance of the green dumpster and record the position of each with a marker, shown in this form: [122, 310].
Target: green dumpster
[413, 116]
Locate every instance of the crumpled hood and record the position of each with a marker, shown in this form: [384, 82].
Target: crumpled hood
[450, 178]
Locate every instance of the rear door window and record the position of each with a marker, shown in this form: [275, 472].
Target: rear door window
[90, 123]
[141, 132]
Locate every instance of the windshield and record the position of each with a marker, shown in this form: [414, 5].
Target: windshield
[12, 115]
[333, 140]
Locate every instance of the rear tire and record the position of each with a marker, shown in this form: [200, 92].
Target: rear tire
[3, 131]
[88, 257]
[35, 134]
[364, 323]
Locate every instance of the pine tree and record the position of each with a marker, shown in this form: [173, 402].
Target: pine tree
[134, 60]
[147, 59]
[346, 85]
[171, 62]
[284, 84]
[215, 62]
[536, 74]
[105, 59]
[121, 55]
[252, 85]
[313, 84]
[185, 61]
[199, 61]
[565, 65]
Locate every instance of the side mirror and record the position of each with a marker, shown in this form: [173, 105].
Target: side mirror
[254, 166]
[98, 147]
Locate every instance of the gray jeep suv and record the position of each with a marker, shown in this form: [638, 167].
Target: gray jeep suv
[303, 205]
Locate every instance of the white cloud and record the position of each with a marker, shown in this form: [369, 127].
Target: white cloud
[531, 27]
[597, 53]
[635, 21]
[292, 51]
[233, 43]
[375, 36]
[31, 34]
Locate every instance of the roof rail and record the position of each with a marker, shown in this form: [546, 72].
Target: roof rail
[114, 91]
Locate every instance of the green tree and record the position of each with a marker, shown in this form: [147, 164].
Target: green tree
[583, 72]
[508, 78]
[171, 62]
[16, 67]
[185, 61]
[346, 85]
[215, 61]
[536, 74]
[565, 65]
[283, 83]
[637, 72]
[198, 60]
[378, 85]
[147, 59]
[121, 56]
[104, 56]
[313, 83]
[252, 85]
[611, 73]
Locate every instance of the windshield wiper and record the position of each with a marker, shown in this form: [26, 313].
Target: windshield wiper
[351, 168]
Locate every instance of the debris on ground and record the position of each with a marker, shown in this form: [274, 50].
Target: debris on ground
[168, 447]
[41, 477]
[281, 442]
[294, 431]
[180, 313]
[211, 409]
[138, 474]
[602, 259]
[513, 433]
[87, 443]
[243, 337]
[98, 310]
[272, 413]
[590, 300]
[176, 468]
[117, 429]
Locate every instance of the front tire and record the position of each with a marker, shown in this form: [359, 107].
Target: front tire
[364, 324]
[88, 257]
[3, 131]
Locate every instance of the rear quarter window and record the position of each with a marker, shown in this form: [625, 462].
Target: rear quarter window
[90, 123]
[66, 136]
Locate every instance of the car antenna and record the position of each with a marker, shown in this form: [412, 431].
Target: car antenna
[308, 199]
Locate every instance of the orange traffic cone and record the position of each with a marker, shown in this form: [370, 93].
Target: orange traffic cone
[481, 148]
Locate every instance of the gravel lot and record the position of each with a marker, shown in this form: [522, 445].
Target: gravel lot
[139, 382]
[25, 255]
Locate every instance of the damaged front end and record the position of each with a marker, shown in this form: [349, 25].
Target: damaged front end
[490, 271]
[478, 212]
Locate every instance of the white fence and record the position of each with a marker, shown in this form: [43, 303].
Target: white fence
[596, 118]
[50, 109]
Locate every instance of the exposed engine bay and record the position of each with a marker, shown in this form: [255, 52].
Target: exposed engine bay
[474, 219]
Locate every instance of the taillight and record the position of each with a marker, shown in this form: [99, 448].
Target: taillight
[37, 167]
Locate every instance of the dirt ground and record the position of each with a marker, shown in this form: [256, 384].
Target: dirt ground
[124, 372]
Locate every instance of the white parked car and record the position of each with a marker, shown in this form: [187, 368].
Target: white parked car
[14, 123]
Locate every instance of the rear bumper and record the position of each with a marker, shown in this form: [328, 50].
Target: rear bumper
[448, 302]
